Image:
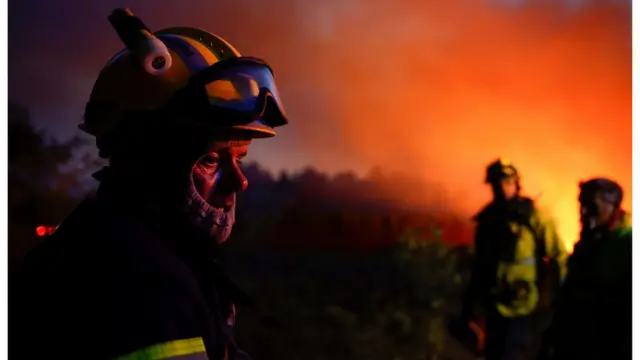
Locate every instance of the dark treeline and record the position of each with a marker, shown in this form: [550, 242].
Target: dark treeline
[339, 267]
[311, 210]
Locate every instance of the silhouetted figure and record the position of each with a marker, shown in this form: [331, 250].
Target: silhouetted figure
[593, 316]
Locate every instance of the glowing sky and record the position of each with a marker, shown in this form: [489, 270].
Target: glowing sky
[436, 88]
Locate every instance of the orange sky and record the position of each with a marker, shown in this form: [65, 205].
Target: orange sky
[442, 91]
[430, 87]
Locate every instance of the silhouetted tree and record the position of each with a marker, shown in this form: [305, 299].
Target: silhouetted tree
[39, 192]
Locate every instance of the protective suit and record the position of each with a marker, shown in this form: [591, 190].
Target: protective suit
[519, 262]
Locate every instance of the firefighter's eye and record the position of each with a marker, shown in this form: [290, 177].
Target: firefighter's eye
[209, 161]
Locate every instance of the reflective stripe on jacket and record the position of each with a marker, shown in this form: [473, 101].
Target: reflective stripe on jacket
[184, 349]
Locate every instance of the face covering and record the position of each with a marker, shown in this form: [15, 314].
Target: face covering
[206, 219]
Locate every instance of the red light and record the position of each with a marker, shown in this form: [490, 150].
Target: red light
[45, 230]
[41, 230]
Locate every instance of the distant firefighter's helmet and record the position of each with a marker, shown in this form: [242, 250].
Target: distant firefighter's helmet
[155, 68]
[607, 189]
[500, 169]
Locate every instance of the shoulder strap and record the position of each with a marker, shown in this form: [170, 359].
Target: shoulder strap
[528, 212]
[541, 246]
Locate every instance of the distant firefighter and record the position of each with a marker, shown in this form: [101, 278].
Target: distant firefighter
[593, 312]
[519, 262]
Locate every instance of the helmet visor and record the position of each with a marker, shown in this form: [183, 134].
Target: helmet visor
[234, 93]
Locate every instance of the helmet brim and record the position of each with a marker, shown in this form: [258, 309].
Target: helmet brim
[256, 130]
[251, 130]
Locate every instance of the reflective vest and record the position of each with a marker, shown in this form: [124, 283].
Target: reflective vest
[513, 257]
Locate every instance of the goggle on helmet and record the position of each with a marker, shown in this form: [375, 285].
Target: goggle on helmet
[187, 71]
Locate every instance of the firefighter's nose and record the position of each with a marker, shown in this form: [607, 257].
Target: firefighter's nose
[240, 182]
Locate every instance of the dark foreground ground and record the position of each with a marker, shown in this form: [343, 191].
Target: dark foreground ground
[385, 305]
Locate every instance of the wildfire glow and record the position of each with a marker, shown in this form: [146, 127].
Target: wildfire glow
[440, 90]
[433, 88]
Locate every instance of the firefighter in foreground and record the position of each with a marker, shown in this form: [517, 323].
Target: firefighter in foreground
[131, 273]
[593, 312]
[518, 258]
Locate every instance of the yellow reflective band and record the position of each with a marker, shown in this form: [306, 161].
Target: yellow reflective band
[168, 350]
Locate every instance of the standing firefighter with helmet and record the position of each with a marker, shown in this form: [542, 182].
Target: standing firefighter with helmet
[593, 311]
[518, 260]
[131, 273]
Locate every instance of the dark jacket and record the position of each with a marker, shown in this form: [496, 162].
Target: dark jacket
[107, 284]
[593, 319]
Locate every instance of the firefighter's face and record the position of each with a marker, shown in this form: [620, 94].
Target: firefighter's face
[217, 175]
[594, 211]
[507, 188]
